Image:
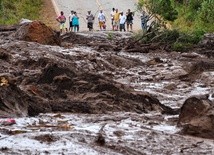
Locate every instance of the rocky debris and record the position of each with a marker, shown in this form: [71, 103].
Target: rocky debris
[47, 138]
[196, 69]
[4, 28]
[206, 45]
[37, 31]
[155, 61]
[68, 91]
[104, 41]
[197, 117]
[42, 80]
[207, 41]
[13, 102]
[24, 21]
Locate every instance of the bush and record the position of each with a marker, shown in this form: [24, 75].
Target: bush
[178, 41]
[206, 13]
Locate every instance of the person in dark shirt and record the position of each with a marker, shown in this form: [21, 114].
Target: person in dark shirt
[129, 19]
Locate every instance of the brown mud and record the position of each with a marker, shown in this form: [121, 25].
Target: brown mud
[103, 80]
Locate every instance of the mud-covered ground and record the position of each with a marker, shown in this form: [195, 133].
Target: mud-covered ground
[116, 101]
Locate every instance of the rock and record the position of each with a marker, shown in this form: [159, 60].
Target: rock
[4, 55]
[100, 140]
[37, 31]
[190, 55]
[155, 61]
[172, 86]
[13, 102]
[197, 117]
[23, 21]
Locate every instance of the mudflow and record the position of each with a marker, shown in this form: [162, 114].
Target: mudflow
[103, 93]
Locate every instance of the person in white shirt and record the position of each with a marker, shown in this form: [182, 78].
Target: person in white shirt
[112, 17]
[102, 20]
[122, 21]
[70, 21]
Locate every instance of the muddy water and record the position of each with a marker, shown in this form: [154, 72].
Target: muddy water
[112, 132]
[124, 133]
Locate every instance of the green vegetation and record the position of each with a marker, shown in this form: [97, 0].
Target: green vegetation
[189, 20]
[11, 11]
[185, 15]
[195, 15]
[110, 36]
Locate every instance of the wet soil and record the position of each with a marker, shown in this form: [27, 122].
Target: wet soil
[110, 99]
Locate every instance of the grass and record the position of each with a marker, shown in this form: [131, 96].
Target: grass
[12, 11]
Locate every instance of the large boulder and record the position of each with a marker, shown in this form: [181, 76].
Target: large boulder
[197, 117]
[37, 31]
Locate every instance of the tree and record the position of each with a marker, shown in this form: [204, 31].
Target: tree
[163, 8]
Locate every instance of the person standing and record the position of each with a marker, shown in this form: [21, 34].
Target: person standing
[129, 19]
[70, 21]
[116, 20]
[144, 20]
[90, 20]
[75, 22]
[122, 21]
[61, 19]
[112, 18]
[102, 20]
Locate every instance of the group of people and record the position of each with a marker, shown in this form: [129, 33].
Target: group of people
[73, 22]
[119, 20]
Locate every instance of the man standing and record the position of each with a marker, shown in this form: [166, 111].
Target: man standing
[70, 21]
[61, 19]
[122, 21]
[112, 18]
[102, 20]
[116, 20]
[90, 20]
[144, 20]
[129, 19]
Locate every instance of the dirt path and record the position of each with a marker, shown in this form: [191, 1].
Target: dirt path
[48, 14]
[82, 6]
